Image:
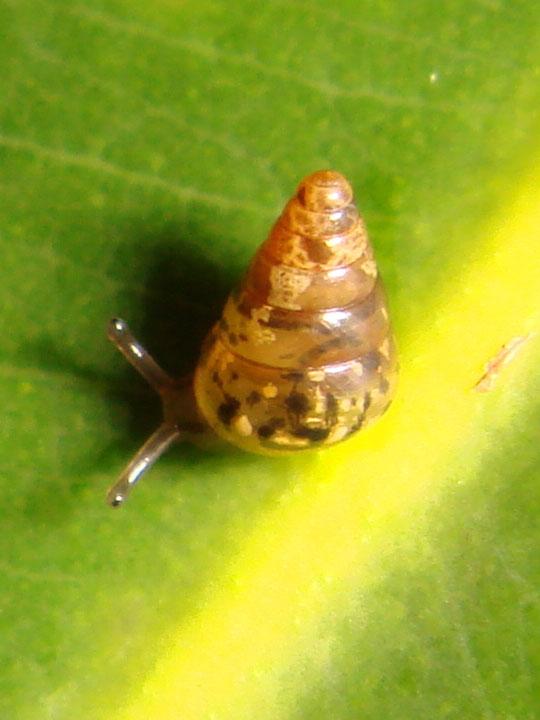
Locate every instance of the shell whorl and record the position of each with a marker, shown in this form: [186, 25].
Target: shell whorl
[307, 282]
[303, 353]
[320, 228]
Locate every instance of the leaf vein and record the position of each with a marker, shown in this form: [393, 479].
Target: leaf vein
[132, 177]
[213, 54]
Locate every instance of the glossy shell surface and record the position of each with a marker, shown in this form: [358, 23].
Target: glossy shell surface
[303, 355]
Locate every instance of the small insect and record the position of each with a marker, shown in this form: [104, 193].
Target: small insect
[504, 357]
[303, 355]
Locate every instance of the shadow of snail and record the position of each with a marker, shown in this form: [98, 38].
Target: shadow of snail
[303, 356]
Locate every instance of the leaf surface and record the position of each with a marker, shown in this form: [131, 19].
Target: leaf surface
[145, 149]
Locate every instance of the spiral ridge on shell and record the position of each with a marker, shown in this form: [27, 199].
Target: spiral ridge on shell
[303, 354]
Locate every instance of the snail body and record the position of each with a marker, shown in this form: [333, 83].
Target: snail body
[303, 355]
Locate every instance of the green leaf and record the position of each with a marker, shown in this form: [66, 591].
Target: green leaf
[145, 150]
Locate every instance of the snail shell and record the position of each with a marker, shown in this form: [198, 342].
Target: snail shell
[303, 355]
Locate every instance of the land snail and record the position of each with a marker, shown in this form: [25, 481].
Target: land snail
[303, 355]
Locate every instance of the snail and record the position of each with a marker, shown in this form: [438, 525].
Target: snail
[303, 355]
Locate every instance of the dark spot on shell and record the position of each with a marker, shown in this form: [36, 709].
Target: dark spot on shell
[281, 320]
[331, 409]
[357, 424]
[331, 402]
[223, 325]
[319, 350]
[277, 321]
[242, 337]
[233, 338]
[297, 403]
[294, 376]
[234, 376]
[362, 417]
[317, 251]
[354, 401]
[242, 305]
[371, 360]
[266, 431]
[383, 385]
[312, 434]
[215, 377]
[253, 398]
[227, 410]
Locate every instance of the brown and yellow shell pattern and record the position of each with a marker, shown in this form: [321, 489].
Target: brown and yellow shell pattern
[303, 355]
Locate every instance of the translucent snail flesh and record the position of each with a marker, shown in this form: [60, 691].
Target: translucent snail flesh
[303, 355]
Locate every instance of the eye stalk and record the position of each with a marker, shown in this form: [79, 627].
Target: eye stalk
[152, 449]
[178, 410]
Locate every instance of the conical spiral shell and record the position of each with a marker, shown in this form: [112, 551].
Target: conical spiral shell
[303, 355]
